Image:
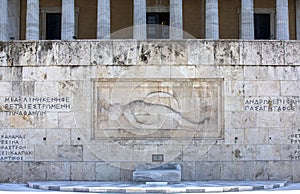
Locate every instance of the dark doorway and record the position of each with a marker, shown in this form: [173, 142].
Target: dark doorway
[158, 25]
[53, 26]
[262, 26]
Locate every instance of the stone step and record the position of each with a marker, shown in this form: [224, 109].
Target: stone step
[130, 187]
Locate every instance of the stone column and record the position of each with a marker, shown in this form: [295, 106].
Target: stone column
[103, 19]
[68, 20]
[14, 19]
[247, 20]
[282, 20]
[176, 22]
[32, 20]
[212, 20]
[298, 19]
[4, 20]
[139, 26]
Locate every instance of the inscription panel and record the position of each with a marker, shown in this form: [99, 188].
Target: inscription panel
[34, 106]
[12, 147]
[157, 108]
[294, 139]
[272, 104]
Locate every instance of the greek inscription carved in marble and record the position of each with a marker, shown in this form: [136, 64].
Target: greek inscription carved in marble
[34, 106]
[295, 140]
[271, 104]
[12, 147]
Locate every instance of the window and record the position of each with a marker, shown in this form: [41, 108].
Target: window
[50, 23]
[157, 20]
[53, 26]
[262, 26]
[158, 25]
[264, 23]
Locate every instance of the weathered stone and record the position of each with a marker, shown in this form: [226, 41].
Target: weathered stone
[287, 151]
[35, 171]
[47, 53]
[101, 53]
[170, 173]
[58, 170]
[107, 172]
[22, 54]
[251, 53]
[295, 171]
[259, 73]
[286, 73]
[227, 52]
[235, 103]
[290, 88]
[249, 90]
[188, 172]
[124, 52]
[268, 88]
[200, 52]
[46, 88]
[234, 136]
[256, 136]
[244, 152]
[292, 53]
[58, 136]
[11, 172]
[174, 52]
[74, 53]
[272, 119]
[6, 88]
[22, 88]
[273, 53]
[48, 121]
[287, 122]
[3, 54]
[242, 120]
[232, 171]
[83, 171]
[268, 152]
[249, 170]
[283, 174]
[224, 152]
[228, 72]
[4, 118]
[208, 170]
[149, 52]
[35, 74]
[195, 153]
[58, 153]
[58, 73]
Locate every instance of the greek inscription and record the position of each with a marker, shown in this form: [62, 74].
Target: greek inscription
[35, 106]
[12, 148]
[264, 104]
[295, 139]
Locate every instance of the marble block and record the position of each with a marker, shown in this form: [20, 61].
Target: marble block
[170, 173]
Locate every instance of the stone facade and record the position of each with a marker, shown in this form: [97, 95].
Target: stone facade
[92, 110]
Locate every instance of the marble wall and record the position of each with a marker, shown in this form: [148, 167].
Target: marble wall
[92, 110]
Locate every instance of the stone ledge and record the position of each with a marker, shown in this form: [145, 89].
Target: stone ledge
[149, 52]
[184, 187]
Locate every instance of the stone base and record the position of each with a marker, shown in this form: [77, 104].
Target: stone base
[129, 187]
[170, 173]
